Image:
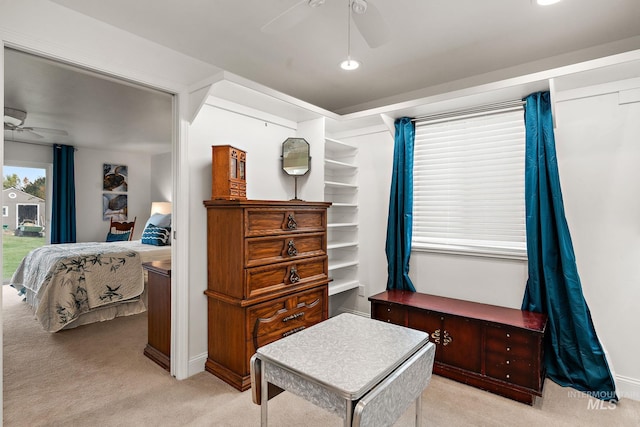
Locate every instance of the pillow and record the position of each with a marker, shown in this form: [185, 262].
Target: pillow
[118, 237]
[159, 220]
[157, 236]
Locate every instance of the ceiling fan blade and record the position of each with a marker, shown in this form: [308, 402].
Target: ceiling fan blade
[29, 132]
[372, 26]
[47, 130]
[289, 18]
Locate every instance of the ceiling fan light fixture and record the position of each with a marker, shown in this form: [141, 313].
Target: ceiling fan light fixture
[349, 64]
[14, 117]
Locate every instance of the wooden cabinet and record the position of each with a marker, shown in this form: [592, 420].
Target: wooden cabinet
[228, 173]
[158, 346]
[494, 348]
[267, 278]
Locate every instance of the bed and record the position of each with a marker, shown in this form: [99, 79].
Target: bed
[74, 284]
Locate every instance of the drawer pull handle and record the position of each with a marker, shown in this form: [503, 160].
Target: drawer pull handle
[291, 222]
[293, 331]
[446, 339]
[295, 316]
[294, 277]
[436, 336]
[291, 250]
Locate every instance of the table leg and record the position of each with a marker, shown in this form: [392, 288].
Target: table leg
[264, 397]
[348, 417]
[419, 411]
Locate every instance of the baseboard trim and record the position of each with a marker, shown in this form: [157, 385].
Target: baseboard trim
[628, 388]
[196, 364]
[358, 313]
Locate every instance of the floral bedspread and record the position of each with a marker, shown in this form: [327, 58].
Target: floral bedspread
[64, 281]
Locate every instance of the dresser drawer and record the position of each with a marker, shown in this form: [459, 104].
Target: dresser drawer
[512, 355]
[275, 277]
[285, 316]
[268, 250]
[274, 221]
[389, 313]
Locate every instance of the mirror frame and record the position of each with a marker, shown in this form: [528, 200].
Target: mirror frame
[298, 142]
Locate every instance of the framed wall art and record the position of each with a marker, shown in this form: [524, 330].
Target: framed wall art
[114, 178]
[115, 182]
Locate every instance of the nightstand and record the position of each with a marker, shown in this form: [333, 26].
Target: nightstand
[158, 346]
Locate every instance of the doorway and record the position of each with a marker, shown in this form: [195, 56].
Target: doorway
[24, 214]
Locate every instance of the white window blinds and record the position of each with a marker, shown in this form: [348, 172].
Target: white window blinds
[469, 184]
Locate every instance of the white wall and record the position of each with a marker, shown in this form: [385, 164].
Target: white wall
[598, 149]
[161, 171]
[29, 155]
[262, 141]
[90, 227]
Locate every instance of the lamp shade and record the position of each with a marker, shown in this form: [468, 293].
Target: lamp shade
[160, 207]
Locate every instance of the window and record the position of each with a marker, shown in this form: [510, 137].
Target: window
[469, 183]
[5, 211]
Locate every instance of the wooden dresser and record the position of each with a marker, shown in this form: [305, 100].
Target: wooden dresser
[494, 348]
[267, 278]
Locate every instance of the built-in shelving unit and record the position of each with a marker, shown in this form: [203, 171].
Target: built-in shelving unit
[341, 188]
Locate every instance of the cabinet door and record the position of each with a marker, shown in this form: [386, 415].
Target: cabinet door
[429, 322]
[458, 339]
[461, 341]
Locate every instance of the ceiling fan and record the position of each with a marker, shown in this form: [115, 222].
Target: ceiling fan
[14, 119]
[366, 16]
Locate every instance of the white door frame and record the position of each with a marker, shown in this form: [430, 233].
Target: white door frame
[180, 190]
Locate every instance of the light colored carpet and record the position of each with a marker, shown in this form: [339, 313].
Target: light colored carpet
[96, 375]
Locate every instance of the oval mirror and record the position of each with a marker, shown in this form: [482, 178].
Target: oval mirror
[295, 157]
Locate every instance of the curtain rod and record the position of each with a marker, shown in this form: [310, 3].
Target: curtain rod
[471, 112]
[42, 144]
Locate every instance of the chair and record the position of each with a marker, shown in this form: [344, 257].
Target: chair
[121, 230]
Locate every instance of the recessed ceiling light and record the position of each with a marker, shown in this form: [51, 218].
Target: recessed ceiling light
[349, 64]
[547, 2]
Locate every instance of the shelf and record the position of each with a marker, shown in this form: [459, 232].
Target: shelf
[338, 286]
[335, 145]
[342, 245]
[336, 165]
[343, 264]
[334, 184]
[341, 188]
[342, 224]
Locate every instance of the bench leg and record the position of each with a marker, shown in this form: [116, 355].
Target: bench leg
[419, 411]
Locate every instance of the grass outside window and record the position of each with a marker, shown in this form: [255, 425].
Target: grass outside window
[14, 248]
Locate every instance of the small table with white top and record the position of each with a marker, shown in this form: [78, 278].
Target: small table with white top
[366, 371]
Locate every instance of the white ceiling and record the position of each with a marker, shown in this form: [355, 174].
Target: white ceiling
[95, 111]
[433, 44]
[431, 41]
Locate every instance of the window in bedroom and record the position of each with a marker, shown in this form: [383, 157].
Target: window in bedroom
[469, 182]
